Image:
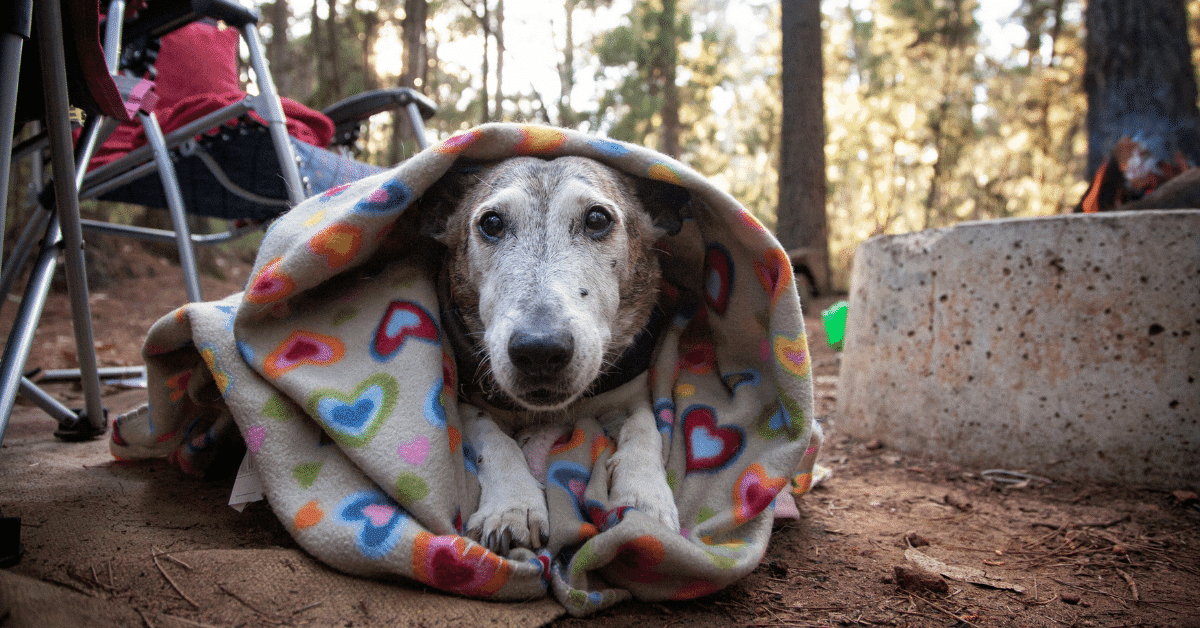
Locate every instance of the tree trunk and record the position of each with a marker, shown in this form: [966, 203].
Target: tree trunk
[333, 50]
[566, 71]
[317, 50]
[1139, 78]
[801, 212]
[277, 47]
[499, 59]
[415, 74]
[669, 59]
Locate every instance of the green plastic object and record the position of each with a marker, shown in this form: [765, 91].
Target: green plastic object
[835, 324]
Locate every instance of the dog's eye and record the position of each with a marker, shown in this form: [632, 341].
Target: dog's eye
[597, 221]
[491, 225]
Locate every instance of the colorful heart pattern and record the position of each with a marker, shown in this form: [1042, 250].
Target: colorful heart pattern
[718, 278]
[774, 273]
[458, 143]
[697, 357]
[664, 415]
[380, 521]
[783, 419]
[753, 492]
[538, 140]
[637, 560]
[571, 478]
[354, 419]
[306, 473]
[710, 447]
[792, 354]
[452, 563]
[402, 320]
[414, 451]
[733, 380]
[270, 285]
[393, 195]
[337, 243]
[255, 435]
[300, 348]
[435, 405]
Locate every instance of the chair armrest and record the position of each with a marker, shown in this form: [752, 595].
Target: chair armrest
[348, 114]
[362, 106]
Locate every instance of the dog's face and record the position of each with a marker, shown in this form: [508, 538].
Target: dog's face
[551, 265]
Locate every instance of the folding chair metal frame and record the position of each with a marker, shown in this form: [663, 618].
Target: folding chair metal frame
[59, 228]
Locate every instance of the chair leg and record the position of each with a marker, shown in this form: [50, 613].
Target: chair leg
[10, 65]
[64, 229]
[166, 174]
[271, 110]
[31, 234]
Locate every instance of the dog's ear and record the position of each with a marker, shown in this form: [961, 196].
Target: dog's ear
[667, 204]
[438, 203]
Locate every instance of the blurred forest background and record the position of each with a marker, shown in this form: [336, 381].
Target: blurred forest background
[935, 112]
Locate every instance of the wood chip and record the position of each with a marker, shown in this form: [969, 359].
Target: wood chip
[962, 574]
[917, 579]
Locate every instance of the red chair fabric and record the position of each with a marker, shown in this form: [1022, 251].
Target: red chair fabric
[198, 74]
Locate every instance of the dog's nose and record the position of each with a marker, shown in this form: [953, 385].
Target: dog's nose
[539, 353]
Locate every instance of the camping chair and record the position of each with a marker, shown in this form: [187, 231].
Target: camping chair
[235, 161]
[232, 156]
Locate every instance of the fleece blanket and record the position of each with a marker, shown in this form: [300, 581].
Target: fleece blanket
[333, 369]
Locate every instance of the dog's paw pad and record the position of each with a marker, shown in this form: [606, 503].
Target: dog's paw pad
[503, 530]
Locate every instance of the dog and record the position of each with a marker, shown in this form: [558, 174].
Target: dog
[548, 289]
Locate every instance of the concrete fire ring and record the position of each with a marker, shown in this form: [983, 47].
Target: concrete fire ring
[1065, 346]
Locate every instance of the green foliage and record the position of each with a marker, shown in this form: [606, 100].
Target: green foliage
[925, 125]
[641, 55]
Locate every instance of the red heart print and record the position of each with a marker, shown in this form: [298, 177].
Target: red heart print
[710, 447]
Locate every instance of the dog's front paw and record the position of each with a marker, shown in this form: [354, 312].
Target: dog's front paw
[642, 485]
[509, 524]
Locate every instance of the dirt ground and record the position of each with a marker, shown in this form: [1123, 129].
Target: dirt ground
[1015, 554]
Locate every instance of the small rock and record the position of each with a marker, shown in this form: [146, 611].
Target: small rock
[1185, 498]
[874, 445]
[955, 501]
[1069, 597]
[1120, 550]
[888, 579]
[915, 540]
[912, 579]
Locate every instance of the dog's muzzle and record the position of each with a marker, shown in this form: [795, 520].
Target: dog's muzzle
[541, 352]
[541, 355]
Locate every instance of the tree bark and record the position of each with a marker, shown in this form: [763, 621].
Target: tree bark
[1139, 77]
[277, 47]
[802, 188]
[415, 72]
[499, 60]
[669, 59]
[566, 71]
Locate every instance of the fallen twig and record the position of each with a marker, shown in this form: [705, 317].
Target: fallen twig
[168, 556]
[1118, 598]
[952, 615]
[89, 581]
[145, 620]
[154, 559]
[1132, 585]
[267, 616]
[60, 583]
[305, 608]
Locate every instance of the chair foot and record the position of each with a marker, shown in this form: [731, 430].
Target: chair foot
[80, 428]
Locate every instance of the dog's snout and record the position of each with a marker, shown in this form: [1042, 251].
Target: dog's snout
[538, 353]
